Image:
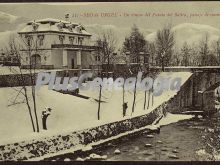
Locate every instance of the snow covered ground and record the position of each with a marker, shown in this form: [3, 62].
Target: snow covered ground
[173, 118]
[70, 113]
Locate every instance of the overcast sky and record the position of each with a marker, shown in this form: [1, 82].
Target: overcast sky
[58, 10]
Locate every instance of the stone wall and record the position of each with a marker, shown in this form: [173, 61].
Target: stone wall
[189, 97]
[39, 147]
[13, 80]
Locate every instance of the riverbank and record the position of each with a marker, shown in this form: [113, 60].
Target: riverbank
[184, 141]
[100, 151]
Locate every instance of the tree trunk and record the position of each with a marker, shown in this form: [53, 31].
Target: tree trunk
[108, 67]
[35, 108]
[152, 97]
[100, 94]
[152, 94]
[123, 93]
[148, 103]
[33, 92]
[123, 99]
[145, 94]
[29, 108]
[162, 64]
[27, 101]
[133, 105]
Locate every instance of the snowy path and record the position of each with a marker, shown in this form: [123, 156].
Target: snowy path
[70, 113]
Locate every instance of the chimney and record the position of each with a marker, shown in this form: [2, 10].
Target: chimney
[67, 17]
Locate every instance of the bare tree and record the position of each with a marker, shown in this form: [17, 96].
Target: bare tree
[204, 50]
[107, 45]
[135, 44]
[164, 46]
[23, 50]
[186, 50]
[152, 52]
[216, 49]
[194, 56]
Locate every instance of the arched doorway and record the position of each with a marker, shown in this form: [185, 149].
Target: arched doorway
[36, 61]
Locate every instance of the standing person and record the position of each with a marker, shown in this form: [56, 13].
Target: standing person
[125, 106]
[45, 114]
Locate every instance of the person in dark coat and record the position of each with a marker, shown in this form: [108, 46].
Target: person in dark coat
[45, 114]
[125, 106]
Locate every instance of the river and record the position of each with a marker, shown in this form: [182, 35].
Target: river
[184, 140]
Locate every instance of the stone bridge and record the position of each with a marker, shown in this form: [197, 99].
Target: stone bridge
[198, 93]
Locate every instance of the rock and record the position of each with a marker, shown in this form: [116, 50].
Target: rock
[159, 142]
[146, 132]
[149, 136]
[201, 152]
[175, 151]
[87, 148]
[147, 153]
[104, 157]
[117, 151]
[95, 156]
[211, 130]
[173, 156]
[109, 144]
[67, 159]
[164, 149]
[79, 159]
[136, 148]
[148, 145]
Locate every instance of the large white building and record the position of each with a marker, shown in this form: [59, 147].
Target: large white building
[58, 44]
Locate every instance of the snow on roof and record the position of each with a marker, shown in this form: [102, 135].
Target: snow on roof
[54, 25]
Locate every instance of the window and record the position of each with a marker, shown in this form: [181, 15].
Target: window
[35, 26]
[28, 39]
[145, 59]
[134, 60]
[61, 38]
[80, 41]
[41, 39]
[77, 39]
[98, 58]
[45, 58]
[71, 40]
[79, 29]
[26, 58]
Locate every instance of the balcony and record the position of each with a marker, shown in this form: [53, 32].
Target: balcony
[69, 46]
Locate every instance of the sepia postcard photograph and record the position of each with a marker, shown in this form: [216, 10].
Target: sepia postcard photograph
[110, 81]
